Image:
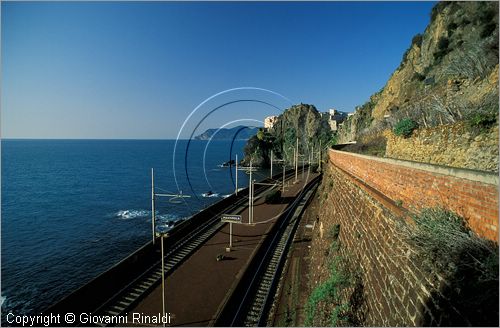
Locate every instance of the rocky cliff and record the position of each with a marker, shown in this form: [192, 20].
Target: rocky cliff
[302, 122]
[448, 74]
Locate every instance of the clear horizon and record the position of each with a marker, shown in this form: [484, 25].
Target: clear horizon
[136, 70]
[97, 139]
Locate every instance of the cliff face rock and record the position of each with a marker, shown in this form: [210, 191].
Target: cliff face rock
[450, 145]
[448, 72]
[302, 122]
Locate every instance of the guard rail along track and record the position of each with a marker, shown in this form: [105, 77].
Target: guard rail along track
[251, 300]
[126, 283]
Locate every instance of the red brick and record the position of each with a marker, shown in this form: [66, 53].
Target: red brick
[418, 189]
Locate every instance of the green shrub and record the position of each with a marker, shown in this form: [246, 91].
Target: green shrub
[447, 250]
[488, 29]
[443, 48]
[481, 121]
[438, 55]
[374, 147]
[446, 244]
[260, 134]
[417, 39]
[405, 127]
[486, 16]
[419, 77]
[334, 140]
[334, 247]
[451, 28]
[327, 298]
[437, 9]
[273, 197]
[334, 231]
[465, 21]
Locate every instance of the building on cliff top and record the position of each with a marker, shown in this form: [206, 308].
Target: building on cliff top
[270, 121]
[335, 117]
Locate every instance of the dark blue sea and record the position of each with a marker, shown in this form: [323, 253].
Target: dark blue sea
[73, 208]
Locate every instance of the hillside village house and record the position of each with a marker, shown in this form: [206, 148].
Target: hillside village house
[270, 121]
[335, 117]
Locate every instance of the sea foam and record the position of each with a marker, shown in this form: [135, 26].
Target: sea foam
[132, 214]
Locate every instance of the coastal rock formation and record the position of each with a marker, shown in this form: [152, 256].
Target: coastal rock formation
[302, 122]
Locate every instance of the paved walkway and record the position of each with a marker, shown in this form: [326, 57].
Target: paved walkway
[197, 288]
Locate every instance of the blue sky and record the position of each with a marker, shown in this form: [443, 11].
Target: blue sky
[137, 69]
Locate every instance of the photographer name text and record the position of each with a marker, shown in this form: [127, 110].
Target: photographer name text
[86, 319]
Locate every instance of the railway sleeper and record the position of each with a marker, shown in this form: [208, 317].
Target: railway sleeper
[124, 303]
[118, 308]
[261, 291]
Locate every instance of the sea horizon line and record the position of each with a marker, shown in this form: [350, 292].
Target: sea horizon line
[112, 139]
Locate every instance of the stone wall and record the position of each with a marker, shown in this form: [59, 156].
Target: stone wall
[362, 194]
[394, 289]
[450, 145]
[471, 194]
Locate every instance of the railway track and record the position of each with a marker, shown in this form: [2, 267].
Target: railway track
[176, 254]
[258, 294]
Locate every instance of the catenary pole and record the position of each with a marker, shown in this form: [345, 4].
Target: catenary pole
[296, 159]
[283, 184]
[153, 215]
[163, 280]
[319, 155]
[271, 164]
[250, 193]
[236, 175]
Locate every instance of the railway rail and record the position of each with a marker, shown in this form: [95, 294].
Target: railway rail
[185, 239]
[177, 253]
[250, 304]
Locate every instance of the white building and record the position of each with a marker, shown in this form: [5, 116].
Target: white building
[335, 117]
[270, 121]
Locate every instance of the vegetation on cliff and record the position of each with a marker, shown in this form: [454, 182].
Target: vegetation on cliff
[448, 249]
[302, 122]
[443, 98]
[448, 74]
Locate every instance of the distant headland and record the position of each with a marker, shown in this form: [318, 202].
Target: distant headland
[239, 132]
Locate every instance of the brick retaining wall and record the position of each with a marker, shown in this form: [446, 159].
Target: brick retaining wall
[358, 193]
[471, 194]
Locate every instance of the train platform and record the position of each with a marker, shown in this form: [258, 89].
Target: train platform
[197, 290]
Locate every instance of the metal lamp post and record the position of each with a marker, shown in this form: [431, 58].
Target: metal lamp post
[250, 194]
[294, 161]
[297, 159]
[153, 216]
[283, 177]
[236, 174]
[153, 198]
[282, 161]
[162, 235]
